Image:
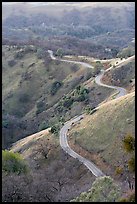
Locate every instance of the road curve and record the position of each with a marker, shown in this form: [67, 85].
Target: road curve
[64, 144]
[70, 61]
[64, 130]
[121, 91]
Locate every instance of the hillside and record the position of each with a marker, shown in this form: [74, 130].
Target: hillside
[122, 75]
[68, 101]
[53, 175]
[39, 90]
[99, 135]
[63, 178]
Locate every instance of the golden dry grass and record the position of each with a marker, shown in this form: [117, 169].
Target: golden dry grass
[102, 132]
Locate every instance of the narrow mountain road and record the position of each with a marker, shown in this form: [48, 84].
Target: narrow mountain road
[70, 61]
[64, 130]
[121, 91]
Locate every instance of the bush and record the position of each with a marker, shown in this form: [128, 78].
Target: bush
[129, 143]
[55, 129]
[44, 125]
[81, 93]
[40, 53]
[130, 198]
[103, 190]
[19, 55]
[131, 164]
[13, 162]
[98, 66]
[5, 123]
[80, 98]
[40, 107]
[68, 102]
[59, 52]
[119, 170]
[24, 98]
[55, 87]
[11, 63]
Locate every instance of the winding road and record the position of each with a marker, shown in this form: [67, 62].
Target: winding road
[64, 130]
[70, 61]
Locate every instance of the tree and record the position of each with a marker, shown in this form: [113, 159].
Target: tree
[81, 93]
[59, 52]
[129, 146]
[55, 87]
[13, 162]
[103, 190]
[40, 53]
[54, 129]
[98, 66]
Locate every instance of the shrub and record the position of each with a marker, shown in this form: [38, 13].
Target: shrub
[103, 190]
[40, 53]
[119, 170]
[59, 52]
[11, 63]
[129, 143]
[44, 125]
[131, 164]
[55, 129]
[5, 123]
[98, 66]
[19, 55]
[81, 93]
[13, 162]
[130, 198]
[24, 98]
[55, 86]
[68, 102]
[40, 107]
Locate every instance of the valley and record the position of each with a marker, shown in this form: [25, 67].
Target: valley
[68, 102]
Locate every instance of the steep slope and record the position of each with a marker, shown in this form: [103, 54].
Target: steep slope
[37, 89]
[99, 135]
[32, 85]
[122, 75]
[53, 175]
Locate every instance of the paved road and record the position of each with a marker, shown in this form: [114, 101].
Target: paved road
[121, 91]
[63, 132]
[70, 61]
[64, 144]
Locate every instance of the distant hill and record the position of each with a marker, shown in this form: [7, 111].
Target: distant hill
[83, 20]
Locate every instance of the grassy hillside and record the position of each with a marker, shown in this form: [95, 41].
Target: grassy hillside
[39, 90]
[100, 135]
[28, 84]
[61, 177]
[53, 175]
[123, 76]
